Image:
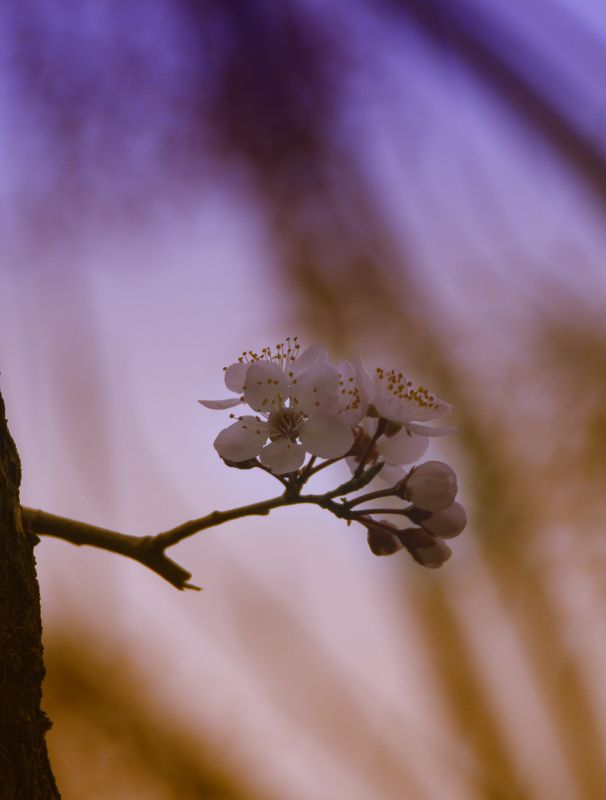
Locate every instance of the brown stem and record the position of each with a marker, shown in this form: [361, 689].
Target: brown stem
[328, 463]
[307, 471]
[362, 511]
[150, 550]
[147, 550]
[371, 496]
[262, 508]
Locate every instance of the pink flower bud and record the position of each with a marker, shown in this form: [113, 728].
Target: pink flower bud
[431, 486]
[448, 523]
[381, 541]
[415, 537]
[433, 556]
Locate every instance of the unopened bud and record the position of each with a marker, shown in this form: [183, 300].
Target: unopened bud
[415, 537]
[433, 556]
[431, 486]
[382, 541]
[447, 524]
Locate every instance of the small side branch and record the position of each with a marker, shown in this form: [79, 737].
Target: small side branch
[186, 529]
[144, 549]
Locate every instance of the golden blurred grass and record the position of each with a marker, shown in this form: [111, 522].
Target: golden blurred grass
[112, 739]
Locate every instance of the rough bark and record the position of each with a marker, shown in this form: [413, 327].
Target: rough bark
[25, 772]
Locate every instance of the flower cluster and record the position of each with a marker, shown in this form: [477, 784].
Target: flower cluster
[431, 488]
[301, 404]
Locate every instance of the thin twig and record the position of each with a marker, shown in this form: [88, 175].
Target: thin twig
[361, 511]
[307, 471]
[357, 482]
[328, 463]
[371, 496]
[186, 529]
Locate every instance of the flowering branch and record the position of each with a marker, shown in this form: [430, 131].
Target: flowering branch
[304, 405]
[151, 550]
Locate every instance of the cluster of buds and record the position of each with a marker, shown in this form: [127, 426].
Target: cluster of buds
[377, 422]
[431, 489]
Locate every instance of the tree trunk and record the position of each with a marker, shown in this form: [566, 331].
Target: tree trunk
[25, 772]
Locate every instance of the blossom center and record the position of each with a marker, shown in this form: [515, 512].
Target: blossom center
[394, 383]
[284, 422]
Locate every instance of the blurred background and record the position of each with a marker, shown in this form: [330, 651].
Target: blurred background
[423, 182]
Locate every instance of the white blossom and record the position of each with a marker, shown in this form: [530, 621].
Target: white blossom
[298, 403]
[350, 404]
[389, 395]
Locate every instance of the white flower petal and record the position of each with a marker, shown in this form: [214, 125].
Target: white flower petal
[364, 381]
[428, 430]
[282, 456]
[266, 387]
[392, 408]
[326, 436]
[311, 356]
[346, 370]
[391, 474]
[219, 405]
[411, 410]
[395, 398]
[242, 440]
[235, 376]
[352, 416]
[315, 390]
[350, 405]
[403, 448]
